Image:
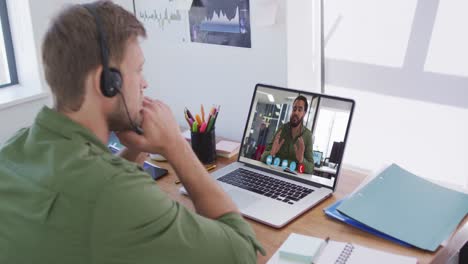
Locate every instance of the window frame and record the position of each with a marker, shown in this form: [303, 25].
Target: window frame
[9, 49]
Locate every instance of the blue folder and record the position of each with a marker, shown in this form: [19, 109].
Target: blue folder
[407, 207]
[333, 213]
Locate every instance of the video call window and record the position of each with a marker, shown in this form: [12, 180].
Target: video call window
[308, 144]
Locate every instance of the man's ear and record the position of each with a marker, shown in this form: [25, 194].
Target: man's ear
[94, 79]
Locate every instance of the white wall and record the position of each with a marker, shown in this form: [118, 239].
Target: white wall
[411, 102]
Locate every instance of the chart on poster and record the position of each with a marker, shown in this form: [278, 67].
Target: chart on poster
[198, 21]
[221, 22]
[166, 20]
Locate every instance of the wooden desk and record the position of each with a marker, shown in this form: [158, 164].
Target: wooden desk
[313, 222]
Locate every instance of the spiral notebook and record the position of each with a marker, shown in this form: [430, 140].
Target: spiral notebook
[295, 250]
[347, 253]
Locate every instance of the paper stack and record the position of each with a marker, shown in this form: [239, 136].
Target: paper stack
[227, 149]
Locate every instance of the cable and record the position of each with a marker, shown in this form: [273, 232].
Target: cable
[136, 128]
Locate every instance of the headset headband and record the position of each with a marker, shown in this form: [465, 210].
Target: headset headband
[102, 42]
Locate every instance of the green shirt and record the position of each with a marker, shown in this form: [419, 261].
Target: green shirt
[64, 198]
[287, 149]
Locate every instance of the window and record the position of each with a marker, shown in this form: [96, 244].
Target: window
[331, 127]
[8, 75]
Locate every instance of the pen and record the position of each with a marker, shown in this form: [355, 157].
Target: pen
[214, 119]
[202, 113]
[195, 127]
[208, 121]
[210, 124]
[203, 127]
[211, 167]
[188, 113]
[197, 117]
[320, 250]
[187, 119]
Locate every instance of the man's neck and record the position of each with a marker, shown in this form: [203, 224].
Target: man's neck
[96, 124]
[295, 131]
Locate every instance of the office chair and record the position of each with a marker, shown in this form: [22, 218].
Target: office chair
[336, 153]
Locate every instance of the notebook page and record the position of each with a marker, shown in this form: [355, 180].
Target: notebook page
[362, 254]
[345, 253]
[331, 253]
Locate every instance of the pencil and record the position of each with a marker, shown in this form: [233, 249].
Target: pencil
[211, 167]
[202, 113]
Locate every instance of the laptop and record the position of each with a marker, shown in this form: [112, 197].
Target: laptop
[276, 190]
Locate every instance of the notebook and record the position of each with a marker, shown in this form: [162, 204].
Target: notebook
[407, 207]
[347, 253]
[301, 249]
[227, 149]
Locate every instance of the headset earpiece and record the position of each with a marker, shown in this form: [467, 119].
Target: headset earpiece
[111, 82]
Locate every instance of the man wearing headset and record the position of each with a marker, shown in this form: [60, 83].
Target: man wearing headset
[64, 198]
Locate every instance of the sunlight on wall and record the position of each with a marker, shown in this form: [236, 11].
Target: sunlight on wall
[448, 51]
[368, 31]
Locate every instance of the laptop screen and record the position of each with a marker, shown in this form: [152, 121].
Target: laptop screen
[298, 134]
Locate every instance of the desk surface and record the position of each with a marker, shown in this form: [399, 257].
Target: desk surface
[313, 222]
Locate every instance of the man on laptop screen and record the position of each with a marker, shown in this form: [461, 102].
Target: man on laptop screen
[292, 142]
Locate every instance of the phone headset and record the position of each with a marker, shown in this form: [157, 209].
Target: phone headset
[111, 78]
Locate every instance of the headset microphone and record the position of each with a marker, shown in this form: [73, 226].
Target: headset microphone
[111, 78]
[136, 128]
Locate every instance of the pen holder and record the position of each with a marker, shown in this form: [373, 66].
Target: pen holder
[204, 146]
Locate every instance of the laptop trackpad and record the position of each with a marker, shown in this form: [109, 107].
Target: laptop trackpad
[242, 199]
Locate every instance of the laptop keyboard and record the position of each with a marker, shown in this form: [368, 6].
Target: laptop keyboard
[267, 186]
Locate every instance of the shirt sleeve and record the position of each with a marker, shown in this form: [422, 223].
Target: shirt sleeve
[135, 222]
[308, 156]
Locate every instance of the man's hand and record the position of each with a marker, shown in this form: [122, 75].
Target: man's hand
[161, 131]
[277, 143]
[299, 148]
